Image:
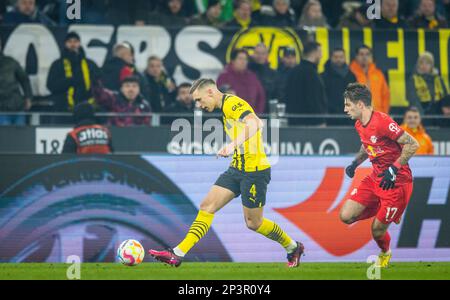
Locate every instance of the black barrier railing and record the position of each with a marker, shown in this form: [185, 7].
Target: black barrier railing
[164, 118]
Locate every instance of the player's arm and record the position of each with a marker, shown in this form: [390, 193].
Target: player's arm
[410, 146]
[361, 156]
[252, 124]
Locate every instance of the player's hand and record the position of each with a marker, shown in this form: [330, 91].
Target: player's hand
[389, 176]
[350, 170]
[226, 150]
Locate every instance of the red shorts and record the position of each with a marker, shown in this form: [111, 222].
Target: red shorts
[391, 203]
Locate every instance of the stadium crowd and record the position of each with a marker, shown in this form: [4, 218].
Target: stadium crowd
[119, 87]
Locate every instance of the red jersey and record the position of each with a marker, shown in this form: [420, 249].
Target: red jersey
[379, 138]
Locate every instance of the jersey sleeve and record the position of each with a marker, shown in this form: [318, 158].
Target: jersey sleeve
[390, 129]
[236, 109]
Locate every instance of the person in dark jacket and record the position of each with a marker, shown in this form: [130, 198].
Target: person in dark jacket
[128, 100]
[162, 87]
[389, 16]
[259, 64]
[70, 77]
[288, 62]
[87, 137]
[425, 89]
[171, 14]
[427, 17]
[211, 17]
[305, 91]
[184, 104]
[26, 11]
[121, 66]
[15, 90]
[282, 15]
[242, 15]
[336, 77]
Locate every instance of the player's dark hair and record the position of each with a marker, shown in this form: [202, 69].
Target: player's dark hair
[235, 53]
[198, 84]
[363, 47]
[310, 48]
[184, 85]
[358, 92]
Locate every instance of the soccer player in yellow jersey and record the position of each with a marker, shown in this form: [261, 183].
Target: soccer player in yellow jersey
[248, 176]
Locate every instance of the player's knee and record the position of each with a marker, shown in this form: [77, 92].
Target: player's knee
[253, 223]
[346, 217]
[207, 206]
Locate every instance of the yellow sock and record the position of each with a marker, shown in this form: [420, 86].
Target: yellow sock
[198, 230]
[272, 231]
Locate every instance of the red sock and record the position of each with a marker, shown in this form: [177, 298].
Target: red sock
[384, 242]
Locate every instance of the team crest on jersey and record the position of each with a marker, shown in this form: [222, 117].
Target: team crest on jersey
[394, 128]
[373, 139]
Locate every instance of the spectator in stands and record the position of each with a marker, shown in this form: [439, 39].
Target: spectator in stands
[333, 10]
[426, 88]
[336, 77]
[446, 107]
[70, 77]
[259, 64]
[121, 66]
[412, 124]
[312, 16]
[243, 81]
[305, 92]
[162, 87]
[3, 9]
[242, 16]
[171, 14]
[226, 5]
[282, 15]
[211, 17]
[184, 102]
[15, 90]
[427, 17]
[25, 11]
[288, 62]
[355, 16]
[389, 16]
[128, 100]
[367, 73]
[87, 137]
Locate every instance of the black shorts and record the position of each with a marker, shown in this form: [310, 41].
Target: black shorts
[252, 186]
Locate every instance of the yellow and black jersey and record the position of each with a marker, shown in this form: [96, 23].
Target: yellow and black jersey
[250, 156]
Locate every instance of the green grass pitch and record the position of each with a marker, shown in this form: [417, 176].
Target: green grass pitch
[230, 271]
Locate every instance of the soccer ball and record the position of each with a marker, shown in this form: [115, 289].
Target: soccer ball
[130, 253]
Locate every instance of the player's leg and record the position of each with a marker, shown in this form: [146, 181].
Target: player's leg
[223, 191]
[393, 204]
[381, 236]
[363, 203]
[217, 198]
[253, 191]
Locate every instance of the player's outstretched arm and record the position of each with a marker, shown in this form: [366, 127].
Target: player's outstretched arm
[410, 146]
[361, 156]
[252, 125]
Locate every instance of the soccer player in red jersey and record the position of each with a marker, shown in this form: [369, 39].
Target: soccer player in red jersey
[386, 191]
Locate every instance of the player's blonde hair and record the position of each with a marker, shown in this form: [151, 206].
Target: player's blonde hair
[200, 83]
